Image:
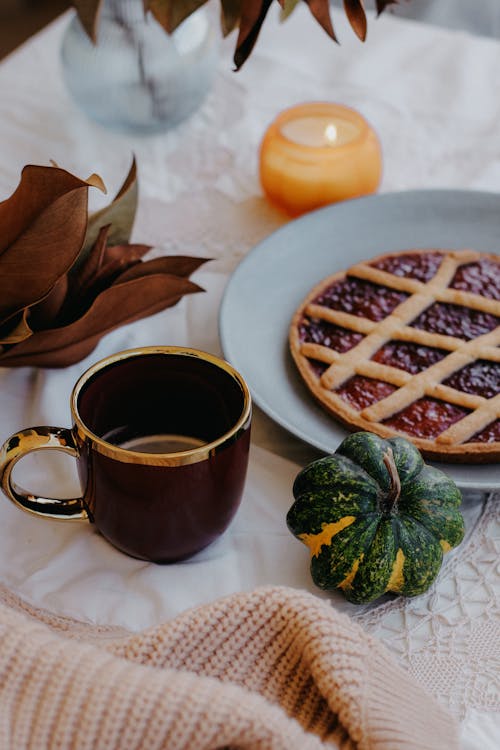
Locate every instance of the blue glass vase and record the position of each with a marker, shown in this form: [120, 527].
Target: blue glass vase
[137, 78]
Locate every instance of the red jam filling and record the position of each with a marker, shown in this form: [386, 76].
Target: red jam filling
[317, 367]
[490, 434]
[361, 392]
[420, 266]
[481, 378]
[315, 331]
[427, 417]
[407, 356]
[455, 320]
[479, 278]
[361, 298]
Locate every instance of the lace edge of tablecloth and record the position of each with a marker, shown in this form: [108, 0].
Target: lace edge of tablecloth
[449, 638]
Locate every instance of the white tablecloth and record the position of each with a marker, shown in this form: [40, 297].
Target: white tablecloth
[433, 96]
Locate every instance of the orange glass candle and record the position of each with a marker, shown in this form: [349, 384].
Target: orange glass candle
[319, 153]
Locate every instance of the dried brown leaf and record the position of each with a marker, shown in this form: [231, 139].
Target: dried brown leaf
[45, 312]
[183, 265]
[116, 306]
[171, 13]
[61, 313]
[91, 265]
[17, 330]
[119, 214]
[253, 14]
[320, 10]
[80, 284]
[355, 12]
[124, 255]
[43, 228]
[117, 259]
[287, 8]
[100, 269]
[230, 15]
[174, 265]
[38, 188]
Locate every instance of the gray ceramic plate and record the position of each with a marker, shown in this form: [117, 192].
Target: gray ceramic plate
[271, 281]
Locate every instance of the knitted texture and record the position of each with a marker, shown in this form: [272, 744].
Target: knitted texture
[273, 669]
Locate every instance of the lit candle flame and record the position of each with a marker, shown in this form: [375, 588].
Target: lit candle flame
[330, 134]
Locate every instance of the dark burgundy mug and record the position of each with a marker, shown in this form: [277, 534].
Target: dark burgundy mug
[161, 437]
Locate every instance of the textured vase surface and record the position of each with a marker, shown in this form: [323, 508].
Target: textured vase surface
[138, 78]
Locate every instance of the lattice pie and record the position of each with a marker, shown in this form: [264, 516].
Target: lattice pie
[408, 344]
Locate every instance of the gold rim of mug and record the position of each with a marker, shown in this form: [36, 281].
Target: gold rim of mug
[181, 458]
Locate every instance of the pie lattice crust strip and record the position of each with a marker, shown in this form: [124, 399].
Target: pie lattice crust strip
[454, 443]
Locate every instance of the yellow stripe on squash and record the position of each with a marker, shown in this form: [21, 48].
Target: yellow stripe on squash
[347, 582]
[396, 581]
[445, 546]
[325, 536]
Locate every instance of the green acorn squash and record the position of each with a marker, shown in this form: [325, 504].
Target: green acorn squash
[375, 517]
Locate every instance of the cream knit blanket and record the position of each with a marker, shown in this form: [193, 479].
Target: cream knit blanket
[274, 669]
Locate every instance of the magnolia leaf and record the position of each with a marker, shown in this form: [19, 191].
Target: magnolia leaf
[45, 312]
[19, 330]
[94, 180]
[118, 259]
[183, 265]
[116, 306]
[43, 228]
[171, 13]
[253, 14]
[320, 10]
[287, 8]
[230, 15]
[88, 13]
[80, 283]
[124, 254]
[104, 261]
[89, 268]
[100, 269]
[120, 214]
[38, 188]
[355, 12]
[51, 314]
[176, 265]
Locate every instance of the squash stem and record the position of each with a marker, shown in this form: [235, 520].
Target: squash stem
[395, 488]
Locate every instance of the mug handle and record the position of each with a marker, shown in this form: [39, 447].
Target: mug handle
[36, 439]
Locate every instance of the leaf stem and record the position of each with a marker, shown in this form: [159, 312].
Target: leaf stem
[395, 486]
